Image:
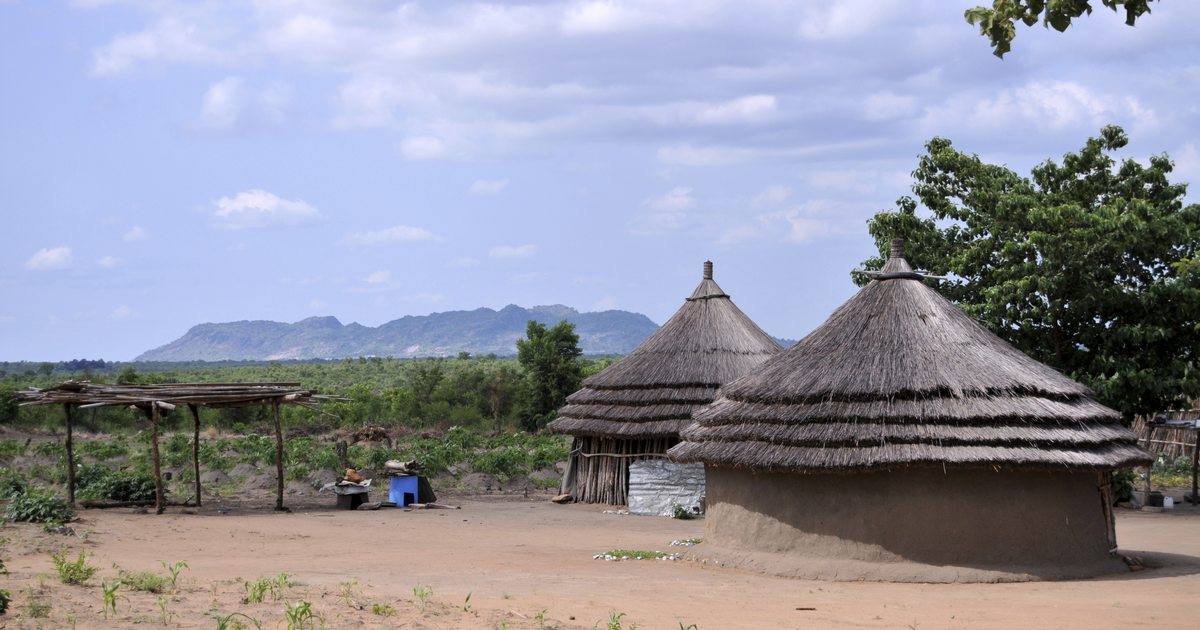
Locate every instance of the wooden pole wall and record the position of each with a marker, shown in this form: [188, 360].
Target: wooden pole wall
[278, 457]
[70, 458]
[196, 450]
[158, 485]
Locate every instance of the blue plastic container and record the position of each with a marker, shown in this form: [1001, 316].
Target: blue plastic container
[403, 490]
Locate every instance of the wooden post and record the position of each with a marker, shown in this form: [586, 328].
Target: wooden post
[70, 457]
[1195, 457]
[158, 486]
[278, 457]
[196, 450]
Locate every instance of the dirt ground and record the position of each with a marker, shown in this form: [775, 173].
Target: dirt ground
[517, 557]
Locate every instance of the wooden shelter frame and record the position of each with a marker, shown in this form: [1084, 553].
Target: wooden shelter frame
[153, 400]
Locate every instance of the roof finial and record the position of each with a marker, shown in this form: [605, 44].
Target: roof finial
[897, 248]
[708, 270]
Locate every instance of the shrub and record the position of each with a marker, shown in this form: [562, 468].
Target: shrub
[77, 572]
[502, 462]
[4, 599]
[39, 505]
[123, 485]
[105, 449]
[9, 448]
[12, 483]
[49, 448]
[679, 511]
[144, 581]
[297, 472]
[1122, 484]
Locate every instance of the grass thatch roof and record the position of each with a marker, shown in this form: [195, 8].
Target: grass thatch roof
[653, 391]
[899, 376]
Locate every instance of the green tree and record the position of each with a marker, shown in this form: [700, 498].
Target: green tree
[999, 23]
[45, 369]
[553, 369]
[9, 409]
[1086, 267]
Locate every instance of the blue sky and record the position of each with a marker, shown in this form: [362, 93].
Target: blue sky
[164, 164]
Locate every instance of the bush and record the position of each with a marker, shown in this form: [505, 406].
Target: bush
[4, 599]
[503, 462]
[49, 448]
[9, 448]
[77, 572]
[1122, 484]
[124, 485]
[12, 483]
[39, 505]
[104, 449]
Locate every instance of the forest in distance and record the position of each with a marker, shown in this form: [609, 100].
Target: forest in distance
[480, 392]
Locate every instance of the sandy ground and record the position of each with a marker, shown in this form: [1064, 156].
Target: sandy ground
[517, 557]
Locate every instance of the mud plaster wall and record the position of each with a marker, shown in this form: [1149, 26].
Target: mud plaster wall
[1041, 524]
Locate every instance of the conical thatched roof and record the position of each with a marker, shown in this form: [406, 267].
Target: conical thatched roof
[654, 389]
[899, 376]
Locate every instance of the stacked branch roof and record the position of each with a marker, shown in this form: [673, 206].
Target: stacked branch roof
[88, 394]
[901, 377]
[653, 391]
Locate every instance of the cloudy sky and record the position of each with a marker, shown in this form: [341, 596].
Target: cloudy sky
[164, 164]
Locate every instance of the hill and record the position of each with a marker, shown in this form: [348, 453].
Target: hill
[480, 331]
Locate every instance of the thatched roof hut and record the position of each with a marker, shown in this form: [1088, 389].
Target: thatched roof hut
[638, 406]
[974, 455]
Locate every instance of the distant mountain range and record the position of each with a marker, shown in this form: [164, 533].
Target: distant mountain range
[480, 331]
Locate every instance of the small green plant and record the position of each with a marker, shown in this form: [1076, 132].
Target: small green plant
[683, 627]
[111, 597]
[146, 581]
[164, 615]
[540, 618]
[228, 622]
[466, 607]
[77, 572]
[614, 621]
[423, 594]
[5, 598]
[680, 512]
[686, 542]
[347, 592]
[384, 610]
[35, 607]
[300, 616]
[262, 587]
[175, 569]
[39, 505]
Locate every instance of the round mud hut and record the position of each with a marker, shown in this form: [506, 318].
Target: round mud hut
[903, 441]
[635, 409]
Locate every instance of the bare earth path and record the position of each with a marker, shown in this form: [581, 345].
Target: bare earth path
[518, 557]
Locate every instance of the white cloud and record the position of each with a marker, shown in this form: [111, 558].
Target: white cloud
[462, 263]
[771, 196]
[229, 106]
[887, 105]
[508, 251]
[485, 187]
[398, 234]
[109, 262]
[178, 38]
[748, 109]
[687, 155]
[48, 259]
[378, 277]
[424, 148]
[223, 104]
[678, 199]
[136, 234]
[259, 208]
[607, 303]
[316, 303]
[123, 313]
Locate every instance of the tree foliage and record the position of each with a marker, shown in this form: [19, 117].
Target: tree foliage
[999, 23]
[551, 358]
[1088, 266]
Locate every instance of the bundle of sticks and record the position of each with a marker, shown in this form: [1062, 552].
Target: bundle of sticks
[396, 467]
